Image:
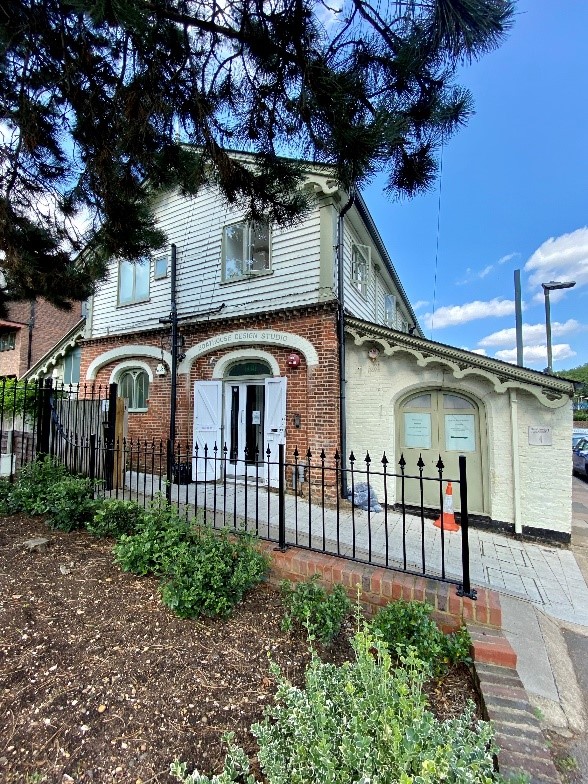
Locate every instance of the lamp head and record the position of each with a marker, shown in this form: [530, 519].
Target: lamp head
[554, 284]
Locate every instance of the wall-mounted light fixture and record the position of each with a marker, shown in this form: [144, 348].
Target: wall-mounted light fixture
[374, 353]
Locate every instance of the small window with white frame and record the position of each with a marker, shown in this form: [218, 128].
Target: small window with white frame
[360, 267]
[133, 281]
[160, 266]
[133, 385]
[246, 250]
[390, 310]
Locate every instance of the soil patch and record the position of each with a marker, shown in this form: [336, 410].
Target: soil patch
[99, 682]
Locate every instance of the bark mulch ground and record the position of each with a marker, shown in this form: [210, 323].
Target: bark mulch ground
[99, 682]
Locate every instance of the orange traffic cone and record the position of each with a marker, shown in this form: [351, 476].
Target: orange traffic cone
[449, 523]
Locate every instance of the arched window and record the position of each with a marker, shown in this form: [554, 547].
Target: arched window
[250, 367]
[133, 385]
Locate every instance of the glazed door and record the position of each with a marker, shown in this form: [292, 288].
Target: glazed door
[244, 426]
[445, 424]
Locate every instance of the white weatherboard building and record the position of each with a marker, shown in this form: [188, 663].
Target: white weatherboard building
[262, 317]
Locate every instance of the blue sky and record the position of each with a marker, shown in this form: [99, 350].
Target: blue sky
[514, 194]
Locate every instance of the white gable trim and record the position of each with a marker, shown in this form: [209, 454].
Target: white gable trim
[250, 337]
[126, 352]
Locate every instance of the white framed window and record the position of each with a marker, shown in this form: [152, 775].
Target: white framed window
[160, 266]
[246, 250]
[7, 341]
[71, 366]
[360, 267]
[390, 310]
[133, 385]
[133, 281]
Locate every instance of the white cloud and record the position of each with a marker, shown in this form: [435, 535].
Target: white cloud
[537, 355]
[486, 271]
[562, 258]
[508, 257]
[452, 315]
[422, 303]
[533, 334]
[481, 351]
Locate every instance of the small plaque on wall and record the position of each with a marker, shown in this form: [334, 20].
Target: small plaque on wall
[540, 436]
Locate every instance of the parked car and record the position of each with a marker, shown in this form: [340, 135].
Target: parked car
[580, 457]
[577, 437]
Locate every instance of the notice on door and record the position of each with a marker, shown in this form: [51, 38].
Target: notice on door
[417, 431]
[460, 433]
[256, 417]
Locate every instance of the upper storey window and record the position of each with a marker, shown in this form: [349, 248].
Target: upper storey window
[390, 310]
[246, 250]
[7, 341]
[133, 281]
[360, 267]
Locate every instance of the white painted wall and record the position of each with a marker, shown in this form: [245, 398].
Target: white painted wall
[373, 389]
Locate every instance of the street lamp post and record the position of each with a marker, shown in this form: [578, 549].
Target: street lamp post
[547, 287]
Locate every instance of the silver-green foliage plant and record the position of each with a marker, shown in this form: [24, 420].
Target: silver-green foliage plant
[309, 604]
[364, 722]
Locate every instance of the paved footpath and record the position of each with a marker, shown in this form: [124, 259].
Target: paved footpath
[551, 641]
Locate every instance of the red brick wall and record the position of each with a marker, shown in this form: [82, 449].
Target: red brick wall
[51, 324]
[311, 393]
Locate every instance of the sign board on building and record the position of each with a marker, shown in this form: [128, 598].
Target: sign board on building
[540, 436]
[460, 433]
[417, 431]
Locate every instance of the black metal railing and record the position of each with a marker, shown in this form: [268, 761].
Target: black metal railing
[291, 499]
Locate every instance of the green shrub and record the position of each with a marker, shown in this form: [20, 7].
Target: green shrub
[362, 722]
[160, 539]
[212, 574]
[115, 517]
[34, 485]
[409, 624]
[7, 506]
[70, 503]
[309, 604]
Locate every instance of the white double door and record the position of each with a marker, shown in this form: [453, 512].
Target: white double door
[246, 417]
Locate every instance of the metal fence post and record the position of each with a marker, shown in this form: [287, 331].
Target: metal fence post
[281, 500]
[92, 461]
[465, 589]
[110, 436]
[43, 417]
[169, 461]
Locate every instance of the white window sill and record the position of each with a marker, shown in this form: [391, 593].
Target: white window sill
[249, 276]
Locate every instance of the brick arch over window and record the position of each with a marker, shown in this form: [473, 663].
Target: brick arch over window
[132, 352]
[251, 337]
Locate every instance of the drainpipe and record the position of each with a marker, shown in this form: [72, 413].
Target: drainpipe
[341, 337]
[31, 328]
[516, 474]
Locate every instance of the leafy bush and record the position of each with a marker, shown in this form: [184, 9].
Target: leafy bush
[115, 517]
[364, 721]
[206, 572]
[160, 538]
[70, 503]
[213, 574]
[33, 489]
[409, 624]
[309, 604]
[6, 500]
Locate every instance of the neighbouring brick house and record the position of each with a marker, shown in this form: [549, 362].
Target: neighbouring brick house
[30, 332]
[260, 311]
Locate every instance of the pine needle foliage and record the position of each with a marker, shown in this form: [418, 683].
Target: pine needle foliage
[106, 103]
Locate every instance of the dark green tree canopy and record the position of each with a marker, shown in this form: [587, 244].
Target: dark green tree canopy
[104, 102]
